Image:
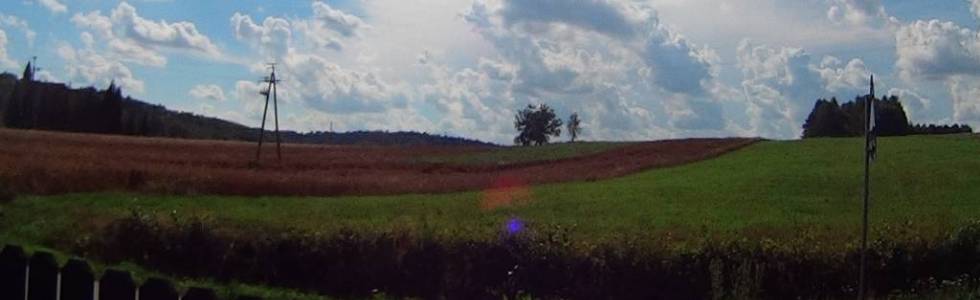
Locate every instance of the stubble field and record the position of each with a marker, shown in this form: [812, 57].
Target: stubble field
[39, 162]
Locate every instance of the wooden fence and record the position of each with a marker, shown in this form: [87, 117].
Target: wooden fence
[39, 277]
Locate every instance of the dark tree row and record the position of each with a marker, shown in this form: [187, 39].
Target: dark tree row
[39, 105]
[941, 129]
[31, 104]
[831, 119]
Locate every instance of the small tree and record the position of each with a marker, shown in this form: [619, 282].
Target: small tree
[574, 126]
[536, 125]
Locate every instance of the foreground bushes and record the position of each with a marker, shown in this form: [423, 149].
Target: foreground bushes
[543, 264]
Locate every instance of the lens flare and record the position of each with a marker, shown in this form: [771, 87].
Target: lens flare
[505, 191]
[515, 226]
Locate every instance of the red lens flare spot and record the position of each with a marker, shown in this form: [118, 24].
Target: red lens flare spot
[505, 191]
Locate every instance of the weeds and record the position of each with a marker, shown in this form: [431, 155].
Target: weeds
[541, 263]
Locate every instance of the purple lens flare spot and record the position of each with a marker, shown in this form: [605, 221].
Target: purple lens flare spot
[515, 225]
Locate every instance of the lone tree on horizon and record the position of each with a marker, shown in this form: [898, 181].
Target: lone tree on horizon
[574, 126]
[536, 125]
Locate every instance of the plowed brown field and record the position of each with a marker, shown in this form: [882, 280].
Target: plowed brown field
[42, 162]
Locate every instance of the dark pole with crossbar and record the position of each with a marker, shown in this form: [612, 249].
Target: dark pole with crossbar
[258, 152]
[868, 106]
[275, 109]
[271, 89]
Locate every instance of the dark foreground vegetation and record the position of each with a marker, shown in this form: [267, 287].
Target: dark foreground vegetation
[31, 104]
[543, 263]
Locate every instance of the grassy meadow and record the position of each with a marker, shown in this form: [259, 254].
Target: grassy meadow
[804, 196]
[774, 187]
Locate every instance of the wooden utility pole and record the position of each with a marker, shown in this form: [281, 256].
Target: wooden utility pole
[270, 91]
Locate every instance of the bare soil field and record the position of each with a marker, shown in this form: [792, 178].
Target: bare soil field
[40, 162]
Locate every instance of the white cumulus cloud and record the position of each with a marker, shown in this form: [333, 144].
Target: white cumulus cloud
[329, 87]
[780, 85]
[176, 35]
[54, 6]
[18, 23]
[914, 103]
[843, 77]
[965, 91]
[936, 50]
[630, 70]
[975, 7]
[336, 20]
[858, 12]
[5, 60]
[325, 29]
[942, 52]
[87, 66]
[314, 80]
[627, 73]
[137, 40]
[272, 37]
[207, 92]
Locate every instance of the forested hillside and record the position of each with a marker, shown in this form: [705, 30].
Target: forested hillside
[30, 104]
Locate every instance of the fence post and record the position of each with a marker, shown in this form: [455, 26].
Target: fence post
[43, 277]
[196, 293]
[77, 281]
[117, 285]
[158, 289]
[13, 273]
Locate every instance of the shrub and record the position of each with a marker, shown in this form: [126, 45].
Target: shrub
[543, 263]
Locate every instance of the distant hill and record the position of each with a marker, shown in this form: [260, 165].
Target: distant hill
[30, 104]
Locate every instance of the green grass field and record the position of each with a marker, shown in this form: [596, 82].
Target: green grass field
[772, 188]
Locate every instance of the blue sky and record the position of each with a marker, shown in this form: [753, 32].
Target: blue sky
[632, 69]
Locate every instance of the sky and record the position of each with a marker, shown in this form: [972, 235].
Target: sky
[631, 69]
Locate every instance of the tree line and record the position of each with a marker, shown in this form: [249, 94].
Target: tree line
[832, 119]
[31, 104]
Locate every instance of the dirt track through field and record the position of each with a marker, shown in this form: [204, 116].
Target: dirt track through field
[48, 163]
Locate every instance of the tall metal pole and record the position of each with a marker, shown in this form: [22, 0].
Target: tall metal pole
[275, 109]
[862, 285]
[265, 110]
[270, 91]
